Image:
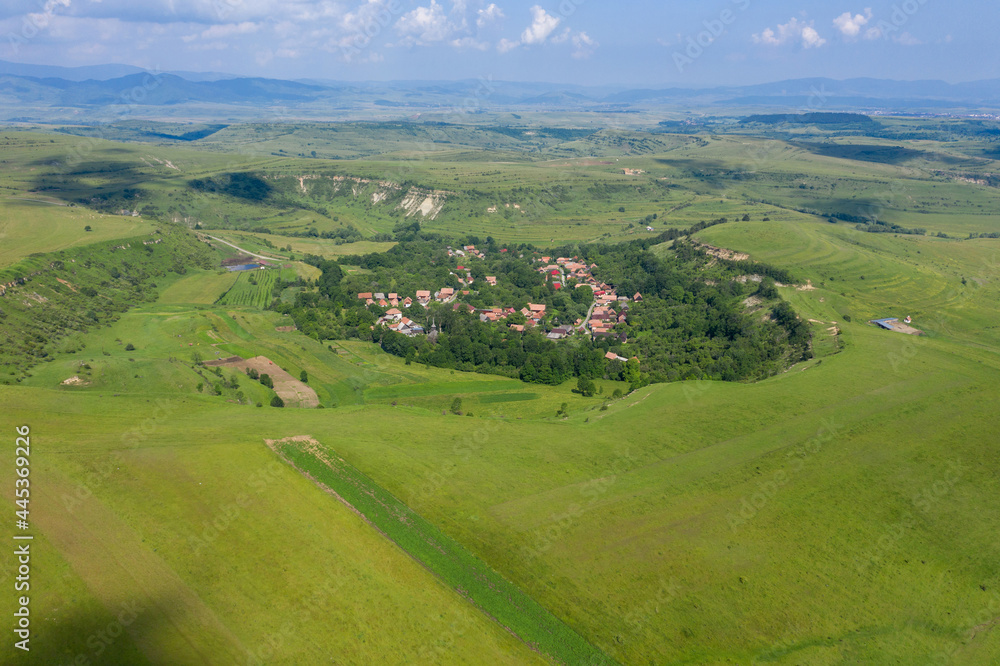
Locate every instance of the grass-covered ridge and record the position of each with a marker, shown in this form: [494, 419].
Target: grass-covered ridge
[47, 298]
[494, 595]
[842, 511]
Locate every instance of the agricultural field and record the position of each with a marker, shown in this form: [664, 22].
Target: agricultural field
[842, 511]
[252, 289]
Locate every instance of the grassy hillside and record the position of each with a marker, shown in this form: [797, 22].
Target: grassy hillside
[34, 224]
[845, 511]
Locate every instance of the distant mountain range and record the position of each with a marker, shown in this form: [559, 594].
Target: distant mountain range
[39, 93]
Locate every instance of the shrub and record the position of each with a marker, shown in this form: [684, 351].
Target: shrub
[130, 347]
[276, 401]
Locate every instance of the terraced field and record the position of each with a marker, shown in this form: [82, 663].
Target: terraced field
[253, 289]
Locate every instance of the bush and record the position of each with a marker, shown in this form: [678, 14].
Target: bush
[130, 347]
[304, 377]
[456, 406]
[276, 401]
[265, 379]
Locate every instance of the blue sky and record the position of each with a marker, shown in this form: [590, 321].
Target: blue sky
[637, 43]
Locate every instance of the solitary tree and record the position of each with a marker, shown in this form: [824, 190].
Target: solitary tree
[456, 406]
[276, 401]
[586, 387]
[304, 376]
[265, 379]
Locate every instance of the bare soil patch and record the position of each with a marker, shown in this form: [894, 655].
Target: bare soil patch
[288, 388]
[723, 253]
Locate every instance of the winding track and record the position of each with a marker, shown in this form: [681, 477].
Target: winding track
[259, 256]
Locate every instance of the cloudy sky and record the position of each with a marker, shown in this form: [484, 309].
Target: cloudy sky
[635, 43]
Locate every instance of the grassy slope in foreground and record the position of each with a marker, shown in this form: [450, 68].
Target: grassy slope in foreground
[514, 610]
[871, 482]
[231, 556]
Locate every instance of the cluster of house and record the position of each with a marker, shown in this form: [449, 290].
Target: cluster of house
[466, 251]
[565, 268]
[534, 313]
[395, 321]
[609, 309]
[383, 300]
[603, 317]
[392, 300]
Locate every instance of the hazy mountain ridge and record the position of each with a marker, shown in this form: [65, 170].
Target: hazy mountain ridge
[33, 92]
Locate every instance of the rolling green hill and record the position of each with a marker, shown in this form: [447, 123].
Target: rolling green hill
[843, 511]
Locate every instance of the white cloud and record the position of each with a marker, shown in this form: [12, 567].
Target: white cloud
[425, 25]
[264, 57]
[562, 37]
[542, 25]
[906, 39]
[469, 43]
[791, 32]
[507, 45]
[489, 15]
[850, 26]
[584, 44]
[811, 38]
[229, 29]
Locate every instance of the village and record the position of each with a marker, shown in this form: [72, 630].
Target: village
[604, 314]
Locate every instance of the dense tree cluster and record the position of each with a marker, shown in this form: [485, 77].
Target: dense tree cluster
[692, 320]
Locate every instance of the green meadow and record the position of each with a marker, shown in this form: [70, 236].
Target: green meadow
[843, 511]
